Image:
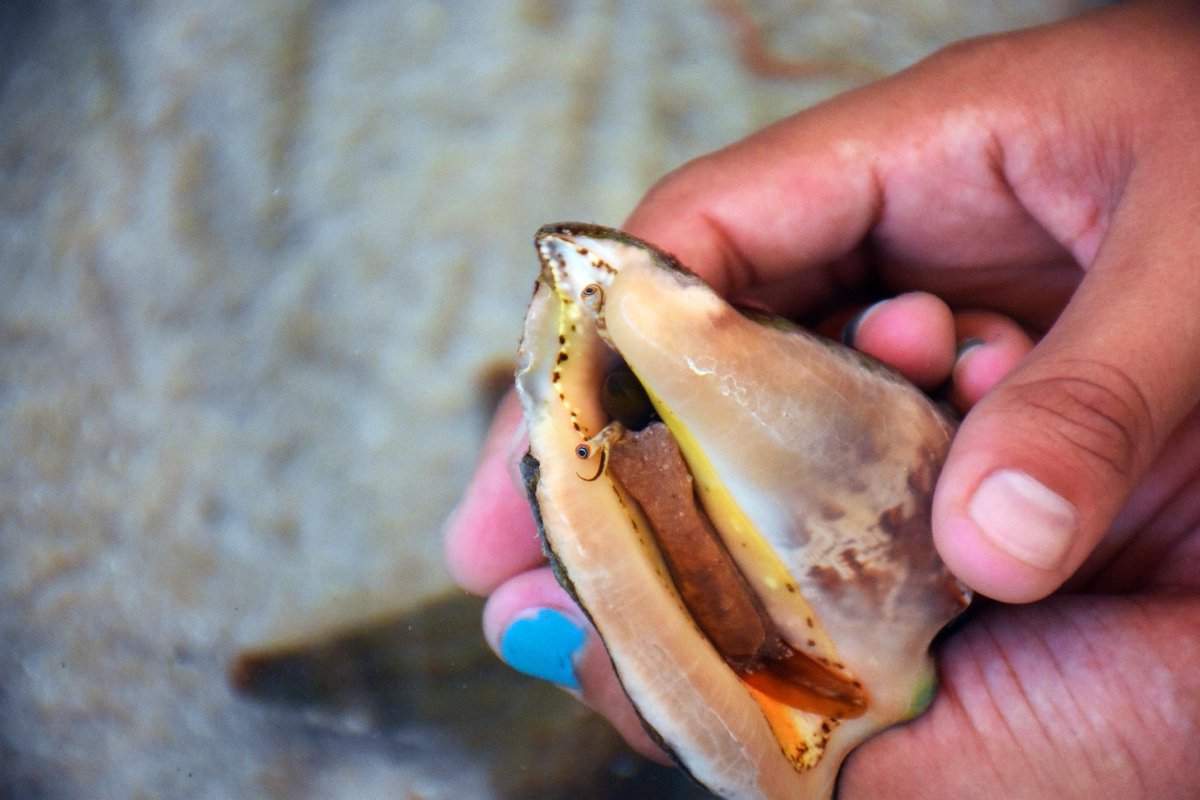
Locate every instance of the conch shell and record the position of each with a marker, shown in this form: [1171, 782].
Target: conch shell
[741, 508]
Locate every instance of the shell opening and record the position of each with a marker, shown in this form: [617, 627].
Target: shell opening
[647, 463]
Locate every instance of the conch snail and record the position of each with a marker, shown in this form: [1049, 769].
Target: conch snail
[741, 508]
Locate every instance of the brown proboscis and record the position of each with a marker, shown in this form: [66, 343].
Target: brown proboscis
[649, 466]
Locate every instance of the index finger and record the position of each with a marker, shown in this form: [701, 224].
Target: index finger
[748, 217]
[902, 184]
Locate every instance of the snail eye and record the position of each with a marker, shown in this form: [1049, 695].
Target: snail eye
[583, 451]
[591, 293]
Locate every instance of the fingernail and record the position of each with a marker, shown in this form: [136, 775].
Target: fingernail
[850, 332]
[1023, 518]
[965, 346]
[544, 645]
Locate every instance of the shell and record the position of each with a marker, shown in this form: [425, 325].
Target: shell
[813, 464]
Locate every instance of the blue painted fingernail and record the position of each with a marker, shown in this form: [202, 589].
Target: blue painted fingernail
[543, 645]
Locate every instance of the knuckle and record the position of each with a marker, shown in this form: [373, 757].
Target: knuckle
[985, 55]
[678, 186]
[1097, 409]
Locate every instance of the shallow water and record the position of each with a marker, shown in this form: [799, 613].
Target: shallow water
[254, 259]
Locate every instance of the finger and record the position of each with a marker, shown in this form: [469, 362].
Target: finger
[1026, 708]
[491, 536]
[990, 346]
[1043, 462]
[749, 216]
[535, 627]
[913, 332]
[783, 214]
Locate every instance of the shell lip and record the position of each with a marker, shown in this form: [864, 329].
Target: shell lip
[569, 231]
[591, 229]
[530, 470]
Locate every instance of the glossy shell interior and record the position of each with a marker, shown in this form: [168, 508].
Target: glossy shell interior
[815, 464]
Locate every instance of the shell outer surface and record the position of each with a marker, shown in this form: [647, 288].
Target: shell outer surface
[814, 467]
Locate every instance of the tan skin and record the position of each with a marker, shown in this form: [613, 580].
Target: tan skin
[1038, 191]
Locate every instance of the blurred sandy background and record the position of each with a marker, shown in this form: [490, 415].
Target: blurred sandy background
[254, 256]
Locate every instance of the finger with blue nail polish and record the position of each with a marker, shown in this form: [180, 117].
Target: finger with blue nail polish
[534, 626]
[544, 643]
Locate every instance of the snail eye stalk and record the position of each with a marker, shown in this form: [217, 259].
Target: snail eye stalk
[585, 449]
[592, 296]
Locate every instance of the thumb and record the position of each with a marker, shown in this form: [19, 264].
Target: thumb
[1043, 464]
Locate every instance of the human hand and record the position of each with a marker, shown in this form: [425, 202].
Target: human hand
[1043, 184]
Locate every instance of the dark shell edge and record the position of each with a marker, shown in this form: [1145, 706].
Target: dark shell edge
[604, 232]
[531, 470]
